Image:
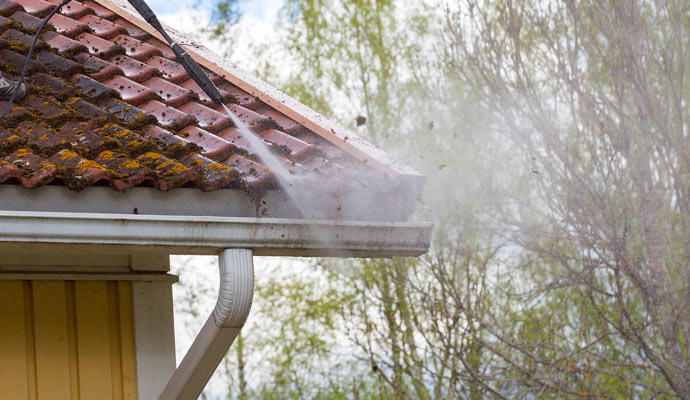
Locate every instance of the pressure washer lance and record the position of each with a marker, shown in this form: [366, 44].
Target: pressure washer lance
[192, 67]
[19, 87]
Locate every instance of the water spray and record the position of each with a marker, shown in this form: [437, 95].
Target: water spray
[285, 179]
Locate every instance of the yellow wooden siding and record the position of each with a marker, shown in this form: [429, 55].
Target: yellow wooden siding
[71, 340]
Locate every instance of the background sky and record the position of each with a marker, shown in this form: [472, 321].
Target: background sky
[257, 24]
[259, 9]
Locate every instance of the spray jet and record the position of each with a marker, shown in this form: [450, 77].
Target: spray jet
[335, 190]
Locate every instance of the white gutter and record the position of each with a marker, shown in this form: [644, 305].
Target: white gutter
[211, 235]
[219, 331]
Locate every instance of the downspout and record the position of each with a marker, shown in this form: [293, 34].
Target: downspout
[220, 330]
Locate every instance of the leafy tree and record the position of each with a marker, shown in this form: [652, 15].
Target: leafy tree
[593, 96]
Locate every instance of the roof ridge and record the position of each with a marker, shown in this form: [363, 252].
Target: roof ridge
[324, 127]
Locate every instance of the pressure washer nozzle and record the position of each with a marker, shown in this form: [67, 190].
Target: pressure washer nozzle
[7, 87]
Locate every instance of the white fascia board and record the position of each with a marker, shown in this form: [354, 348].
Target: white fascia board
[210, 235]
[375, 205]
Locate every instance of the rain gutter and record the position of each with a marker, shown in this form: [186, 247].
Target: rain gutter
[211, 235]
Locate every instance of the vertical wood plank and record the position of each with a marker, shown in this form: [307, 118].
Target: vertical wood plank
[115, 344]
[13, 362]
[129, 372]
[30, 343]
[51, 342]
[72, 339]
[95, 377]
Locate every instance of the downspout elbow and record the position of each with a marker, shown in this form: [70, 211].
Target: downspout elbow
[236, 289]
[220, 330]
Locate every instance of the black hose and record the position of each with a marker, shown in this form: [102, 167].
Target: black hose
[28, 59]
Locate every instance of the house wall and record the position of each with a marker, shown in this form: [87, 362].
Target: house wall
[81, 324]
[67, 340]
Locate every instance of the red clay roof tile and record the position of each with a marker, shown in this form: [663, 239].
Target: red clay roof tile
[108, 103]
[241, 97]
[170, 70]
[130, 91]
[79, 172]
[99, 10]
[99, 69]
[58, 65]
[65, 45]
[172, 145]
[36, 170]
[255, 120]
[168, 117]
[129, 172]
[102, 27]
[5, 24]
[191, 85]
[234, 136]
[213, 146]
[292, 146]
[132, 30]
[172, 94]
[9, 172]
[15, 61]
[175, 174]
[82, 140]
[252, 172]
[73, 9]
[26, 21]
[38, 8]
[133, 69]
[24, 40]
[212, 175]
[165, 50]
[209, 119]
[8, 7]
[10, 141]
[68, 26]
[135, 48]
[91, 88]
[286, 124]
[99, 47]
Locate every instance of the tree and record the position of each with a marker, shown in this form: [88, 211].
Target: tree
[593, 97]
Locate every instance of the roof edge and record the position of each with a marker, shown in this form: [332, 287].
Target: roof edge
[302, 114]
[210, 235]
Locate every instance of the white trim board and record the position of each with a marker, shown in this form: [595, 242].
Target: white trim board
[365, 206]
[154, 335]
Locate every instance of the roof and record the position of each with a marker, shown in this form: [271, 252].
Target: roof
[108, 105]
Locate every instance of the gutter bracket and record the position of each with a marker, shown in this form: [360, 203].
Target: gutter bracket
[220, 330]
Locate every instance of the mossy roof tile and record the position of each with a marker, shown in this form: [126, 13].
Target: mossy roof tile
[108, 103]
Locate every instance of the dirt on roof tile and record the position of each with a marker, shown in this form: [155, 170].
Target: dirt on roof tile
[108, 104]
